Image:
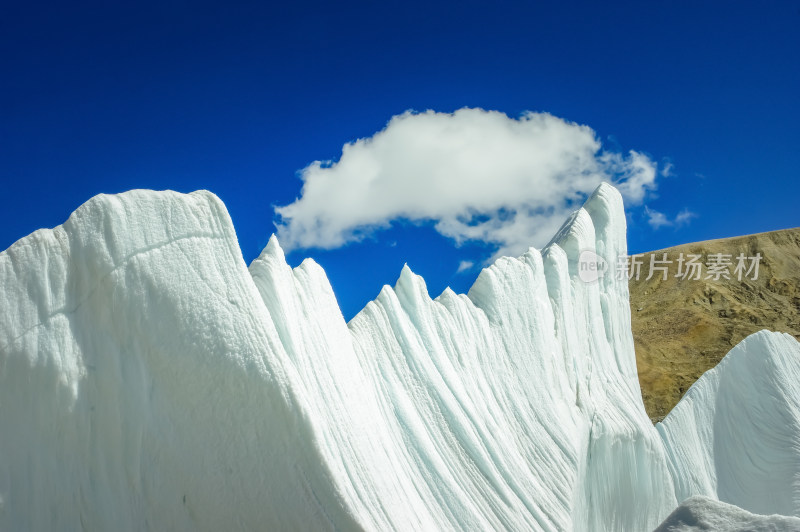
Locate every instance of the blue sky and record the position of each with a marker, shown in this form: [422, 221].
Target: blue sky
[240, 98]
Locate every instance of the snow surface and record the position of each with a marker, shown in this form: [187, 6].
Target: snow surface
[735, 435]
[149, 380]
[700, 513]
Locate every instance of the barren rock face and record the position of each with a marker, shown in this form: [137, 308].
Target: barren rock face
[684, 326]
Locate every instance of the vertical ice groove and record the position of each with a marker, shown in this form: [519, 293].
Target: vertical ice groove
[148, 378]
[607, 212]
[617, 438]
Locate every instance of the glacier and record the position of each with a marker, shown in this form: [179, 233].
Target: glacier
[150, 380]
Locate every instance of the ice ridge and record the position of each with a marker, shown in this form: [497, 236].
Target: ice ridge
[149, 379]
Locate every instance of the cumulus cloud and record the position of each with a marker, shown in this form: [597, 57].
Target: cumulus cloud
[475, 175]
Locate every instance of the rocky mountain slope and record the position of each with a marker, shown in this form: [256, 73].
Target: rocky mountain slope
[683, 325]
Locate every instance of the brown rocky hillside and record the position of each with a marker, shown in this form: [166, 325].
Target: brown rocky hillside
[683, 326]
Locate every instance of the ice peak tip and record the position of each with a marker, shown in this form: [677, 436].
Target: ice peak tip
[407, 276]
[273, 248]
[273, 243]
[605, 190]
[410, 284]
[606, 206]
[604, 187]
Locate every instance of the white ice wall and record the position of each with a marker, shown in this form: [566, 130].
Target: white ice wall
[735, 435]
[141, 386]
[148, 380]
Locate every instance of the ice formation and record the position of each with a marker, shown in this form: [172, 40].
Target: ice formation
[149, 380]
[735, 435]
[700, 514]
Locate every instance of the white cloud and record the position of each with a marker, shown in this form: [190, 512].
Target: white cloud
[475, 174]
[684, 217]
[657, 219]
[464, 265]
